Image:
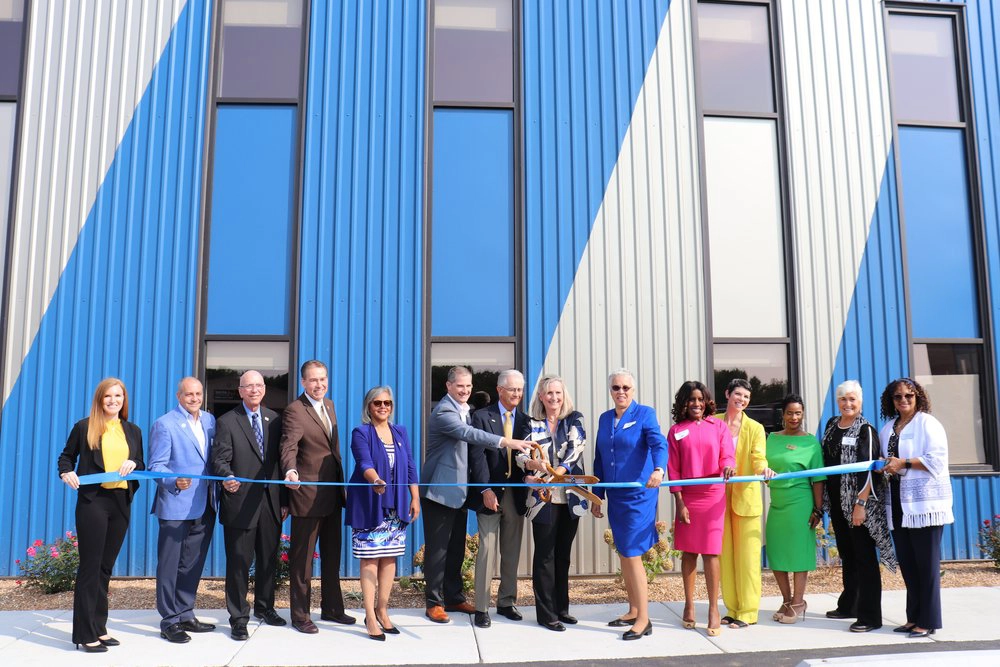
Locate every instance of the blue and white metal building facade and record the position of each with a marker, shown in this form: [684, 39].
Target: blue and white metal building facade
[804, 190]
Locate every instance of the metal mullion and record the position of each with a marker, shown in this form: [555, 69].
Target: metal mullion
[750, 115]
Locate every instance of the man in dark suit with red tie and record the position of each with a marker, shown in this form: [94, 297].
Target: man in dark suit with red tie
[500, 510]
[310, 452]
[246, 445]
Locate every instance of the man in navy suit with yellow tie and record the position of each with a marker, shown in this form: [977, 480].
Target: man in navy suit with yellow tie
[499, 509]
[180, 442]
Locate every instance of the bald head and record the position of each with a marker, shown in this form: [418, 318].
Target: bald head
[190, 395]
[252, 389]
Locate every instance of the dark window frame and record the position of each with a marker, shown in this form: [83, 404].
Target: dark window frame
[208, 160]
[988, 379]
[779, 116]
[430, 106]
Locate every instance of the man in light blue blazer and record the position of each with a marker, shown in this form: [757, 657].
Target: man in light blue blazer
[180, 442]
[446, 462]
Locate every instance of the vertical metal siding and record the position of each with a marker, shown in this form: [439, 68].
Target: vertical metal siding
[977, 498]
[361, 249]
[105, 247]
[614, 269]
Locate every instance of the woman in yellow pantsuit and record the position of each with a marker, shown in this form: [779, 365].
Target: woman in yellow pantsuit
[741, 537]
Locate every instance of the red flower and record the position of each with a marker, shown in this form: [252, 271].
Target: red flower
[18, 582]
[986, 522]
[284, 558]
[38, 543]
[315, 554]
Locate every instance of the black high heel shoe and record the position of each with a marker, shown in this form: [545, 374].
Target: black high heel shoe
[110, 641]
[389, 631]
[378, 637]
[630, 635]
[92, 648]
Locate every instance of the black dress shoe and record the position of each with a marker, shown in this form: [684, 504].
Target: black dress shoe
[175, 634]
[567, 619]
[630, 634]
[341, 618]
[110, 641]
[863, 627]
[554, 625]
[483, 619]
[621, 622]
[905, 628]
[239, 632]
[270, 617]
[194, 625]
[836, 613]
[510, 613]
[919, 633]
[93, 648]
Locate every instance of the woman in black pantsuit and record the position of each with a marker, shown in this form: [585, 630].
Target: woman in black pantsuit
[104, 442]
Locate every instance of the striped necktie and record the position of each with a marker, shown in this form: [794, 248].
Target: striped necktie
[258, 433]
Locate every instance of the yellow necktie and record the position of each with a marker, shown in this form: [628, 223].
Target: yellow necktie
[326, 420]
[508, 432]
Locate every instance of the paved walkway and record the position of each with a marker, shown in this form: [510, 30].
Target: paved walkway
[42, 638]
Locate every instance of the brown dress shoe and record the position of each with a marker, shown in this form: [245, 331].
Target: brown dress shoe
[306, 626]
[461, 607]
[436, 614]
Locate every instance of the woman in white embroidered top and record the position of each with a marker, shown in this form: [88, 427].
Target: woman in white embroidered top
[918, 504]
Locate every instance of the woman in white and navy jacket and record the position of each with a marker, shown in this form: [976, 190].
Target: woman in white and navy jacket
[919, 501]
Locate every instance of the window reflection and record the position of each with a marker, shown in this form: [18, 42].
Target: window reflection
[734, 55]
[952, 376]
[473, 51]
[485, 360]
[226, 361]
[924, 76]
[261, 49]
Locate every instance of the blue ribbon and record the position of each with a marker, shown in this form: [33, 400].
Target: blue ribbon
[843, 469]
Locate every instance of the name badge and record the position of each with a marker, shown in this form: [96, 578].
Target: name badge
[680, 435]
[906, 436]
[627, 425]
[848, 440]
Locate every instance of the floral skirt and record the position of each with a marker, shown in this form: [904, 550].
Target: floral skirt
[386, 540]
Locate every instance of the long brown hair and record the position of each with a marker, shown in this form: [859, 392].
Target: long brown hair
[98, 421]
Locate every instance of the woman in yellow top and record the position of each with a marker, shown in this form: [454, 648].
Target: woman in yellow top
[104, 442]
[741, 537]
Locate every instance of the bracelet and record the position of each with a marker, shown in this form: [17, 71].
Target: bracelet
[818, 511]
[859, 503]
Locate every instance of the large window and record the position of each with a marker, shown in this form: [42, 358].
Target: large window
[744, 197]
[249, 283]
[472, 243]
[11, 47]
[939, 214]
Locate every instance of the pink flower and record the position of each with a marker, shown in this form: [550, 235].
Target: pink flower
[31, 551]
[75, 544]
[55, 554]
[315, 554]
[69, 533]
[38, 543]
[285, 537]
[284, 558]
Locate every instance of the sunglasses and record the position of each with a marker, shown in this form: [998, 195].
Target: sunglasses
[381, 404]
[621, 387]
[899, 397]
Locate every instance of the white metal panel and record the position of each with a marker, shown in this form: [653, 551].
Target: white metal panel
[638, 298]
[8, 116]
[839, 132]
[86, 67]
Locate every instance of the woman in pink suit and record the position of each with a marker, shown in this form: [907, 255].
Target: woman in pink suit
[699, 445]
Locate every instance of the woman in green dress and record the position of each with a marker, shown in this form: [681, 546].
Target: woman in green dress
[796, 509]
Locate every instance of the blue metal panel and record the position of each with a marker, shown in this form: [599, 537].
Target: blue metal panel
[873, 349]
[252, 198]
[583, 64]
[360, 294]
[936, 204]
[977, 498]
[124, 305]
[472, 221]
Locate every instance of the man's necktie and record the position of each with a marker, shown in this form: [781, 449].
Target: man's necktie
[326, 420]
[508, 432]
[258, 433]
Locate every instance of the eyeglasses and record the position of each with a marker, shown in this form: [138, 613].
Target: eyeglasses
[382, 404]
[620, 387]
[518, 390]
[900, 397]
[251, 386]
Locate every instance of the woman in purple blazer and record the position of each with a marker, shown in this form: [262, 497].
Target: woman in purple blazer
[379, 513]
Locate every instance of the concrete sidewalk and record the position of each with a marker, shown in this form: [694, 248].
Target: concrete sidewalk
[43, 638]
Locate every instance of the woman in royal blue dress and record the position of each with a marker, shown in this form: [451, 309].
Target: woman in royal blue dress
[630, 448]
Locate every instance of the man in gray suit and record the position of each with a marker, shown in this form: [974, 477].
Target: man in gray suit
[446, 461]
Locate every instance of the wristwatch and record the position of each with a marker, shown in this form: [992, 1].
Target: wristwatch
[658, 468]
[907, 463]
[859, 502]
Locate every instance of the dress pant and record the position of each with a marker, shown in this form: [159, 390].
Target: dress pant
[918, 551]
[259, 543]
[306, 531]
[740, 566]
[101, 525]
[862, 595]
[182, 546]
[499, 533]
[550, 564]
[444, 551]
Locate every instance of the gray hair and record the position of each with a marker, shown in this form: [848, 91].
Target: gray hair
[507, 374]
[374, 392]
[456, 371]
[624, 372]
[538, 407]
[849, 387]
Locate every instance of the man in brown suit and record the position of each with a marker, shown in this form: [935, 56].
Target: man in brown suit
[310, 452]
